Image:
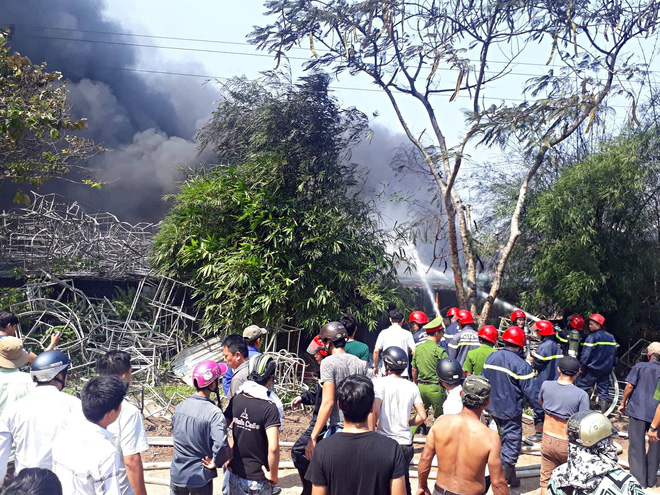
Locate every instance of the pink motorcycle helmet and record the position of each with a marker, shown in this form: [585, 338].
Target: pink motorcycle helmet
[206, 372]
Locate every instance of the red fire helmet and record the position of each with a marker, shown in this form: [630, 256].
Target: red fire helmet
[577, 322]
[465, 317]
[600, 319]
[518, 313]
[489, 333]
[544, 328]
[419, 317]
[515, 336]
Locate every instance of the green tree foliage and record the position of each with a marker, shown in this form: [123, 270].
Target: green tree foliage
[597, 233]
[280, 235]
[36, 129]
[425, 55]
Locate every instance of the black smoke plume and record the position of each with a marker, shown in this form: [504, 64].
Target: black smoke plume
[147, 120]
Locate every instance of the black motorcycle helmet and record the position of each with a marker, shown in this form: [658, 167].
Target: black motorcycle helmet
[395, 358]
[449, 371]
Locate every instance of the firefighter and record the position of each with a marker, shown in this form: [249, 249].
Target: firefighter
[465, 340]
[544, 361]
[544, 358]
[474, 363]
[417, 320]
[575, 322]
[597, 360]
[511, 379]
[519, 319]
[452, 329]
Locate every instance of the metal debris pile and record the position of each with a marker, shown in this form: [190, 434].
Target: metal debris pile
[60, 235]
[152, 317]
[153, 326]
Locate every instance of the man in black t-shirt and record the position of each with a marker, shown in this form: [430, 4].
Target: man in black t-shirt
[255, 422]
[357, 460]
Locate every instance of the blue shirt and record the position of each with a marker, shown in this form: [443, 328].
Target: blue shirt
[511, 378]
[562, 400]
[199, 429]
[644, 377]
[226, 378]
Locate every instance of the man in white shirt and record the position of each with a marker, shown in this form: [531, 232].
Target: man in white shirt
[395, 398]
[32, 423]
[394, 336]
[14, 383]
[128, 430]
[85, 458]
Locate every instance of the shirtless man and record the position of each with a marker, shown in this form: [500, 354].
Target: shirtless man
[465, 446]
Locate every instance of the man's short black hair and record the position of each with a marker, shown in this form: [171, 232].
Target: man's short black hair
[102, 394]
[396, 315]
[114, 363]
[472, 403]
[251, 343]
[34, 481]
[355, 395]
[7, 318]
[340, 343]
[349, 322]
[235, 343]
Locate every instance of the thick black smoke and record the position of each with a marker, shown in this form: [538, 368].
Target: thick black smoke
[147, 120]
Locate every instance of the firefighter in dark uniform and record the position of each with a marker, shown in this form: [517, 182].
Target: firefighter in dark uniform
[575, 322]
[597, 360]
[465, 340]
[417, 320]
[511, 379]
[452, 329]
[544, 361]
[544, 357]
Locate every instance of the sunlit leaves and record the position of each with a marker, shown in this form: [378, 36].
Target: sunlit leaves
[36, 140]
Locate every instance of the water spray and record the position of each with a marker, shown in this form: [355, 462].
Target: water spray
[422, 275]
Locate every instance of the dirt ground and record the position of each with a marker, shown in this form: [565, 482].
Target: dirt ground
[294, 424]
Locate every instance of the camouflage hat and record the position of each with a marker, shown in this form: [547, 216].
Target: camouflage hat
[476, 388]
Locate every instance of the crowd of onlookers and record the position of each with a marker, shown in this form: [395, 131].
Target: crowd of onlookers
[367, 407]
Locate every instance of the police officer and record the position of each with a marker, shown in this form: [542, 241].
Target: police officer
[452, 329]
[424, 362]
[544, 357]
[465, 340]
[417, 320]
[597, 360]
[474, 363]
[511, 379]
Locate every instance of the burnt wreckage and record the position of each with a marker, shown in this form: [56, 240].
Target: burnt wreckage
[61, 246]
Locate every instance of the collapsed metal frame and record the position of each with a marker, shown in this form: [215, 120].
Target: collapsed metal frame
[64, 236]
[61, 240]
